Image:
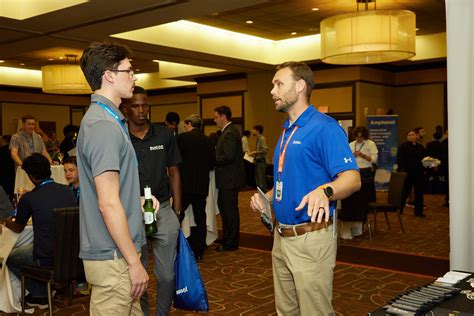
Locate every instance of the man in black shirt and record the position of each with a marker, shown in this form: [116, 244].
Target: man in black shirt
[198, 159]
[38, 204]
[158, 159]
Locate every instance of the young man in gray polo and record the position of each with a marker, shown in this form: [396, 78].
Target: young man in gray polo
[111, 226]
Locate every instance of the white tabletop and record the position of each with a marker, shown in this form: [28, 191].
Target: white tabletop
[211, 211]
[10, 286]
[22, 180]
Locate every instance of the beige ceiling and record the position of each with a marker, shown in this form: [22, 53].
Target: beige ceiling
[67, 31]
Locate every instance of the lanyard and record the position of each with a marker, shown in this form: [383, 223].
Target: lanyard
[77, 192]
[30, 144]
[115, 116]
[281, 159]
[46, 182]
[355, 146]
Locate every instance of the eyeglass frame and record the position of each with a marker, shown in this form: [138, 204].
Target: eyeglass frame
[131, 72]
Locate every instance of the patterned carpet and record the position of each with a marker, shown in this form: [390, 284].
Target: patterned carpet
[240, 282]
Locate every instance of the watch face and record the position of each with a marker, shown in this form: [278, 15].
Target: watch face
[329, 192]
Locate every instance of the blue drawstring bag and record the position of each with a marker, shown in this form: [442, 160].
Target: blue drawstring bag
[190, 291]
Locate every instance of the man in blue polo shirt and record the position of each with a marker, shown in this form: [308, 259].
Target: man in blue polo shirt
[313, 167]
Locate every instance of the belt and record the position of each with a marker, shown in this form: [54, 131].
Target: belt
[301, 229]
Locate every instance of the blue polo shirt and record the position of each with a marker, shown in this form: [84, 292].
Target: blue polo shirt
[316, 153]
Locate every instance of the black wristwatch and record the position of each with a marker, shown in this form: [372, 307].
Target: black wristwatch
[328, 190]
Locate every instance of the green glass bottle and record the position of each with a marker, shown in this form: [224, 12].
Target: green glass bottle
[149, 214]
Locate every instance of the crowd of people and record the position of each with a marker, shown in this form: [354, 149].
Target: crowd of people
[313, 167]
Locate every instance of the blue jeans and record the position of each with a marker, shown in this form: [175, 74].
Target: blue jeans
[20, 257]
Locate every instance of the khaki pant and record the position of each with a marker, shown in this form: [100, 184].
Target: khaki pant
[110, 288]
[303, 273]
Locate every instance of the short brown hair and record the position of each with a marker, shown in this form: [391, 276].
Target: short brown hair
[26, 117]
[300, 70]
[361, 130]
[99, 57]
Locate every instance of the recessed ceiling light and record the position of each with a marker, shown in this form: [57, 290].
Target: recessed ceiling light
[215, 13]
[417, 29]
[1, 61]
[61, 57]
[294, 33]
[249, 22]
[138, 69]
[130, 59]
[315, 9]
[50, 59]
[155, 61]
[22, 64]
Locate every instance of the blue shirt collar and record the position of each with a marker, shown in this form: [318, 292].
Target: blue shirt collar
[302, 119]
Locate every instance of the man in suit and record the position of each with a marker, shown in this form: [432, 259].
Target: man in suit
[230, 177]
[198, 155]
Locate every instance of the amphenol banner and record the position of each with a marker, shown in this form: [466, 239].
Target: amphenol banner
[384, 132]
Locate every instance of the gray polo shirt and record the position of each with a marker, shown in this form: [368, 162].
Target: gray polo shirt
[104, 145]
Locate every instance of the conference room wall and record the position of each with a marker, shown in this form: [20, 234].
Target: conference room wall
[50, 113]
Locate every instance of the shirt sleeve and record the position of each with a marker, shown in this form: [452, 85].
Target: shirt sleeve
[335, 151]
[103, 144]
[374, 152]
[23, 211]
[14, 141]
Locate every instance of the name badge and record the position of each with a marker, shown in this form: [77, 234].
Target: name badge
[278, 190]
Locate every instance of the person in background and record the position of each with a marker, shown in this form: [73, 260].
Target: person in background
[38, 204]
[199, 156]
[69, 141]
[420, 134]
[52, 144]
[72, 176]
[112, 233]
[354, 208]
[434, 150]
[245, 141]
[260, 158]
[249, 166]
[27, 141]
[409, 157]
[172, 121]
[230, 177]
[313, 167]
[158, 167]
[444, 167]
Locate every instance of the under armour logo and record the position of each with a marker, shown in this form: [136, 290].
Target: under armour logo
[347, 160]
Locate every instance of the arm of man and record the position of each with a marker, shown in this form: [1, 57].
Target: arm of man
[256, 203]
[15, 156]
[14, 226]
[175, 183]
[346, 183]
[45, 153]
[108, 187]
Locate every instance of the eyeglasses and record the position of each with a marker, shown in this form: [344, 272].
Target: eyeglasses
[130, 72]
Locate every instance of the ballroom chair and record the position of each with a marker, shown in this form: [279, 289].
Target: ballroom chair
[67, 267]
[356, 203]
[394, 200]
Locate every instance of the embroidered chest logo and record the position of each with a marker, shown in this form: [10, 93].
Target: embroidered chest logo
[347, 160]
[157, 147]
[297, 142]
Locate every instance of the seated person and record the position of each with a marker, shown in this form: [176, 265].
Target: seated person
[71, 175]
[38, 204]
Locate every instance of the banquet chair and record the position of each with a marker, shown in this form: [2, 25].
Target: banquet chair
[67, 268]
[394, 200]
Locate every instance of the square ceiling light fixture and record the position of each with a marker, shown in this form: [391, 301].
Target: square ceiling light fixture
[368, 37]
[25, 9]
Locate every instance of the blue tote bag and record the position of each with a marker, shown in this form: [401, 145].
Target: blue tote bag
[190, 291]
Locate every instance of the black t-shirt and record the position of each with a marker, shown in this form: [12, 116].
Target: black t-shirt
[39, 205]
[156, 152]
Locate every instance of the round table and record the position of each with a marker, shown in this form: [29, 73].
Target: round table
[22, 181]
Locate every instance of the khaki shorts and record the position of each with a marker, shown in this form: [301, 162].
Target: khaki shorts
[110, 288]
